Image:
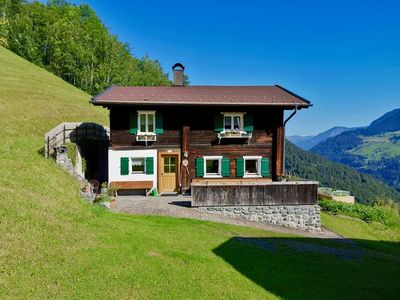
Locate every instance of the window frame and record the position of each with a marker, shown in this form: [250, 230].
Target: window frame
[146, 113]
[232, 115]
[213, 175]
[131, 164]
[252, 175]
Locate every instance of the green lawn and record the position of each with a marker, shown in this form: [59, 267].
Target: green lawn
[372, 235]
[54, 245]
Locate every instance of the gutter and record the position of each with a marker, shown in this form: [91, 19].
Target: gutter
[94, 101]
[284, 138]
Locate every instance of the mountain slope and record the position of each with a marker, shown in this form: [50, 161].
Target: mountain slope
[307, 142]
[373, 150]
[308, 165]
[389, 122]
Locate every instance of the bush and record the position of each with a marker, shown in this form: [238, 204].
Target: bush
[363, 212]
[391, 209]
[102, 198]
[112, 191]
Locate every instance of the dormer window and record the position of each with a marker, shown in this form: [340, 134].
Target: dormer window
[233, 121]
[146, 122]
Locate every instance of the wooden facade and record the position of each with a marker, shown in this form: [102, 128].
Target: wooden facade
[192, 130]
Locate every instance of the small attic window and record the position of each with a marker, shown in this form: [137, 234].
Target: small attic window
[233, 121]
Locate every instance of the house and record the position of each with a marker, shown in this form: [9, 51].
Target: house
[175, 138]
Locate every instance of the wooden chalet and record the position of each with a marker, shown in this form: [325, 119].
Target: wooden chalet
[175, 137]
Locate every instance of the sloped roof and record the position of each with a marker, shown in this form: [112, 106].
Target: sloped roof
[201, 95]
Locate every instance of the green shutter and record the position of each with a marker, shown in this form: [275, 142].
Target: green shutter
[225, 167]
[133, 129]
[159, 123]
[149, 165]
[240, 167]
[218, 123]
[199, 167]
[248, 123]
[265, 167]
[124, 166]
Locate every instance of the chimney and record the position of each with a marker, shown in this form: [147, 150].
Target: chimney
[178, 69]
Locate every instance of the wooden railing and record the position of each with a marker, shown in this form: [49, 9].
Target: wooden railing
[70, 132]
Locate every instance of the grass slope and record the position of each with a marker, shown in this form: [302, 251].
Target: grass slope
[54, 245]
[372, 235]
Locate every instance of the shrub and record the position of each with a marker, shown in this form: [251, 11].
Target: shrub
[102, 198]
[112, 191]
[363, 212]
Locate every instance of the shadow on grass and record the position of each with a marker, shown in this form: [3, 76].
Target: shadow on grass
[307, 268]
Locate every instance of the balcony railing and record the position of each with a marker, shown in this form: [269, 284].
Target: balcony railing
[146, 137]
[234, 134]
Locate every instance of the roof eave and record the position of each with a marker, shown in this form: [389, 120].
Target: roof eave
[123, 102]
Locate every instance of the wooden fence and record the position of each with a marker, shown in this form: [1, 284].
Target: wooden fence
[70, 132]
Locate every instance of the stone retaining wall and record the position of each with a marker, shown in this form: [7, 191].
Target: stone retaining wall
[305, 217]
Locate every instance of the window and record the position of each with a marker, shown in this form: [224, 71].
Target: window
[146, 121]
[212, 166]
[138, 165]
[169, 164]
[233, 121]
[252, 166]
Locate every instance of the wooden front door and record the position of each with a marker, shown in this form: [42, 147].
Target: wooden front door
[169, 166]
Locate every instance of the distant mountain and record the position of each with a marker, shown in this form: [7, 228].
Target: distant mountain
[365, 188]
[308, 142]
[373, 150]
[389, 122]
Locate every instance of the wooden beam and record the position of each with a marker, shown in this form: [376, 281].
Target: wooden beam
[279, 150]
[185, 152]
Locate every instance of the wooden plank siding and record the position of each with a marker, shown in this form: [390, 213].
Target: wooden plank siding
[200, 137]
[248, 194]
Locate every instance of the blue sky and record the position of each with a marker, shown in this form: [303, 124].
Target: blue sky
[342, 55]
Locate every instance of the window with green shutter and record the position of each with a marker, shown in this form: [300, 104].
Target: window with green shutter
[218, 123]
[149, 165]
[159, 123]
[133, 129]
[225, 167]
[240, 167]
[248, 123]
[124, 169]
[199, 167]
[265, 167]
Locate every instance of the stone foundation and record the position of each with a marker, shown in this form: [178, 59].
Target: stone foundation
[304, 217]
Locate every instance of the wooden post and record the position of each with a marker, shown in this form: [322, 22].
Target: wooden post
[64, 135]
[48, 147]
[185, 155]
[279, 150]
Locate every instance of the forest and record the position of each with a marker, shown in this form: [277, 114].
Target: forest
[308, 165]
[72, 42]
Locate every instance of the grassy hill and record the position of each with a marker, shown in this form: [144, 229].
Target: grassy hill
[54, 245]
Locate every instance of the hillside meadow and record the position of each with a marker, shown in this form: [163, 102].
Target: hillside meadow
[55, 245]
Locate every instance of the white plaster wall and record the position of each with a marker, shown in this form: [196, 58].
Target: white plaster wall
[114, 165]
